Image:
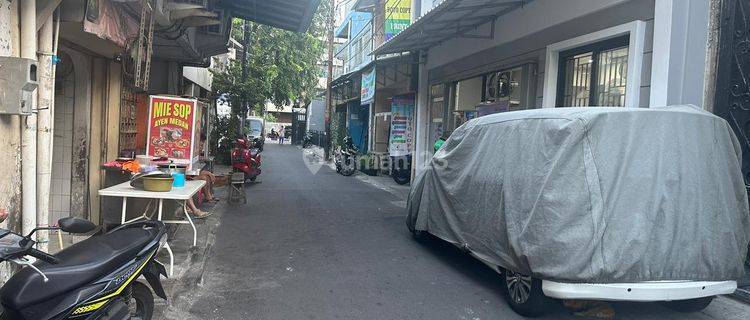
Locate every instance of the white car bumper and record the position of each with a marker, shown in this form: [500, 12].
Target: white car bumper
[641, 291]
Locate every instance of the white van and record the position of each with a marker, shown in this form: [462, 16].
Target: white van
[630, 204]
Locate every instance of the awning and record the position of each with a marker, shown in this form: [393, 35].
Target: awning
[294, 15]
[381, 61]
[450, 19]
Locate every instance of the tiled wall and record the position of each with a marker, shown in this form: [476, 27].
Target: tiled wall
[63, 148]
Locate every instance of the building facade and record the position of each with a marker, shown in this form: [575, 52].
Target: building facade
[366, 85]
[96, 63]
[514, 55]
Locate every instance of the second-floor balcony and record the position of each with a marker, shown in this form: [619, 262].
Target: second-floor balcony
[354, 54]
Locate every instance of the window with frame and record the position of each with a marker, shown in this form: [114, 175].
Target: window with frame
[594, 75]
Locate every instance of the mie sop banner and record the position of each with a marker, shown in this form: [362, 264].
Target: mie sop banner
[171, 127]
[398, 17]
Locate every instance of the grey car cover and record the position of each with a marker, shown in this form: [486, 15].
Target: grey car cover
[591, 195]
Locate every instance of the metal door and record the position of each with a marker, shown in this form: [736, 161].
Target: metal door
[732, 100]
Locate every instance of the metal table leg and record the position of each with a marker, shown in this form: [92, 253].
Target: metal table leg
[171, 259]
[124, 209]
[190, 220]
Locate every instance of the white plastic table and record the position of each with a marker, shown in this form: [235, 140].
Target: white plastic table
[125, 191]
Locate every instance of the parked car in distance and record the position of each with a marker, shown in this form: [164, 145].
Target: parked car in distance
[255, 130]
[627, 204]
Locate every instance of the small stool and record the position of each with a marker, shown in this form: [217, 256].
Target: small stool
[237, 187]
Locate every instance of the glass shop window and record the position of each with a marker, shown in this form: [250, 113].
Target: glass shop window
[594, 75]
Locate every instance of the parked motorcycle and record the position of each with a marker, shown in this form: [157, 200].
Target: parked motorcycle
[96, 278]
[247, 159]
[307, 140]
[346, 158]
[401, 169]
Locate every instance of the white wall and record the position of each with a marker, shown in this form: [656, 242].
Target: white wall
[679, 52]
[536, 16]
[199, 76]
[62, 156]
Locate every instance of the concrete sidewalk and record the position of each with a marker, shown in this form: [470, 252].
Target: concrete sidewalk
[189, 261]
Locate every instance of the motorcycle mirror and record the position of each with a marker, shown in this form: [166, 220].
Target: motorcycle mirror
[76, 225]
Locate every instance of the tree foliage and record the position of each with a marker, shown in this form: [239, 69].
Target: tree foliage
[282, 66]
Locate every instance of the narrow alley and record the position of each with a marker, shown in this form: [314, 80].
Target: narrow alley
[324, 246]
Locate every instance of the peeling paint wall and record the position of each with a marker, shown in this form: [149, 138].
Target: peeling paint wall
[6, 43]
[81, 128]
[10, 133]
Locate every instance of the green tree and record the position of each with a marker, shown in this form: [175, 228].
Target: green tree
[282, 66]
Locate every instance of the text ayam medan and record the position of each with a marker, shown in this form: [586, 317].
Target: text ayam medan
[172, 113]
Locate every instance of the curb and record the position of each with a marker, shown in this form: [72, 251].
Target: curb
[742, 295]
[180, 292]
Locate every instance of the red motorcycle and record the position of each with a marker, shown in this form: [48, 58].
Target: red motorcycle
[246, 159]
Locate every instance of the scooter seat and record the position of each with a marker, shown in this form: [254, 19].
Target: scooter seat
[81, 264]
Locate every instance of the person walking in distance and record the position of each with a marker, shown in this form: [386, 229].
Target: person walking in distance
[281, 136]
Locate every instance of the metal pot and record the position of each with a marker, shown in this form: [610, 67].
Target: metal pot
[158, 183]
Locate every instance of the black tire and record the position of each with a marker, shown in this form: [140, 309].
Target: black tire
[348, 167]
[143, 299]
[689, 306]
[401, 178]
[524, 294]
[254, 178]
[420, 235]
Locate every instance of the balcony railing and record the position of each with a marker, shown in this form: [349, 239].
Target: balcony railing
[355, 53]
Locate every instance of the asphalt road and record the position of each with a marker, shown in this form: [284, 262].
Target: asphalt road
[317, 245]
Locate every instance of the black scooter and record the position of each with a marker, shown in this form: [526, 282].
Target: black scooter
[307, 140]
[346, 158]
[93, 279]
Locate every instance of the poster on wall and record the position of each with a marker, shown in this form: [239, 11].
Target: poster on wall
[367, 92]
[398, 17]
[172, 129]
[402, 125]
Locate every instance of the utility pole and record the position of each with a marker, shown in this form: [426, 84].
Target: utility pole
[329, 94]
[245, 48]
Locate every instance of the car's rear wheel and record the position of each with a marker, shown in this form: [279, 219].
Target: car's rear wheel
[420, 235]
[524, 294]
[691, 305]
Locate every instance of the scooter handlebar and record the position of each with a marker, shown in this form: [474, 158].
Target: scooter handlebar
[46, 257]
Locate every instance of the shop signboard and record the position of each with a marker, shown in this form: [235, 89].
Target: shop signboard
[397, 17]
[367, 92]
[402, 125]
[173, 130]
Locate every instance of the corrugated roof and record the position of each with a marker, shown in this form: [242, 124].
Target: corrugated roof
[294, 15]
[450, 19]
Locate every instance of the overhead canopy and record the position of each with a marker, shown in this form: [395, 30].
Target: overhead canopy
[294, 15]
[450, 19]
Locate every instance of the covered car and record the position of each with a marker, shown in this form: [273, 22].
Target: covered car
[592, 195]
